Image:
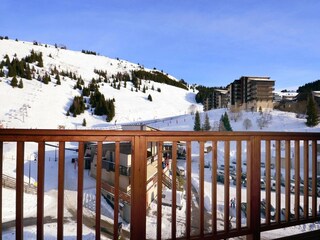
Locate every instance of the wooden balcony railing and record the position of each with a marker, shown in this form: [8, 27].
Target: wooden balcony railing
[288, 152]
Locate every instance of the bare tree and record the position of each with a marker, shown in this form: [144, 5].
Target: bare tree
[247, 123]
[235, 114]
[192, 109]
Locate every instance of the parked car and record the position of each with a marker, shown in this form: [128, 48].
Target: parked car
[207, 164]
[220, 177]
[221, 167]
[180, 171]
[293, 189]
[262, 183]
[232, 168]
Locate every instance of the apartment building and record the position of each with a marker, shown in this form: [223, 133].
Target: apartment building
[251, 93]
[218, 99]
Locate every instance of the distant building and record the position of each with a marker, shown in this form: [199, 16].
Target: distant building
[218, 99]
[251, 93]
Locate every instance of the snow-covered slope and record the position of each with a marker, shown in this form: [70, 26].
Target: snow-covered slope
[39, 105]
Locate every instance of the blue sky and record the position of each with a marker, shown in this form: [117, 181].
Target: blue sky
[208, 42]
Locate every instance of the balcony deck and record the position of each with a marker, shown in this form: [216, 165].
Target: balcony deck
[201, 222]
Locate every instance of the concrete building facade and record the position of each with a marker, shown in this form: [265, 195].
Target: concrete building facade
[251, 93]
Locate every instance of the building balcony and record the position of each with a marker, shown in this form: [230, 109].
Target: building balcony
[277, 159]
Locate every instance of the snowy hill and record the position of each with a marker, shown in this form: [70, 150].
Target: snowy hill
[37, 104]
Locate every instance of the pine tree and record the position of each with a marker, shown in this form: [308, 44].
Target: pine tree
[84, 122]
[45, 79]
[40, 61]
[28, 72]
[149, 98]
[14, 82]
[312, 113]
[226, 122]
[197, 125]
[58, 79]
[12, 69]
[20, 85]
[206, 125]
[110, 110]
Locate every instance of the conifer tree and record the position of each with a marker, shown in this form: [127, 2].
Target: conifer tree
[58, 79]
[226, 122]
[84, 122]
[20, 85]
[12, 69]
[28, 72]
[197, 125]
[110, 110]
[149, 98]
[312, 113]
[14, 82]
[206, 125]
[45, 79]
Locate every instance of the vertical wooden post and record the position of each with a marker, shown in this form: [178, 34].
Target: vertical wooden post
[226, 184]
[1, 172]
[306, 176]
[80, 190]
[98, 191]
[138, 197]
[287, 171]
[249, 189]
[255, 163]
[174, 190]
[61, 171]
[268, 181]
[214, 187]
[188, 207]
[40, 190]
[314, 178]
[19, 190]
[159, 195]
[278, 181]
[297, 178]
[201, 186]
[116, 190]
[238, 185]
